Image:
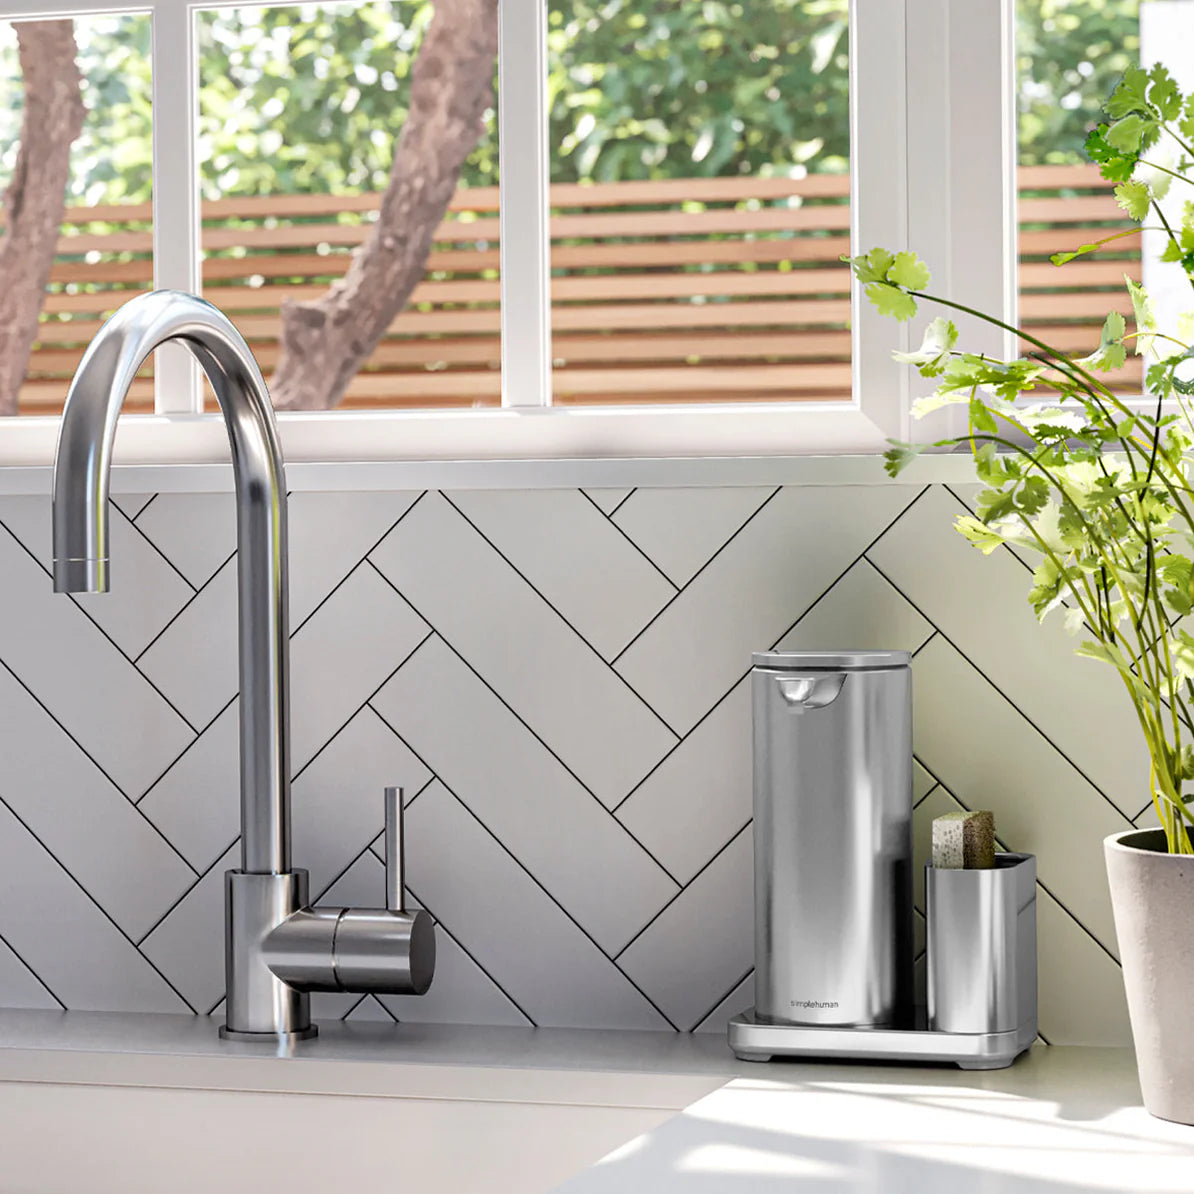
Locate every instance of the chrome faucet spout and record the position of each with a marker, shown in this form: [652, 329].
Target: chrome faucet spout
[82, 468]
[277, 949]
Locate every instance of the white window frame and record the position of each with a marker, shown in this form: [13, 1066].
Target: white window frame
[932, 168]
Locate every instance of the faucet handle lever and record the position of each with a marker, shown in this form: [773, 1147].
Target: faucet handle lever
[395, 867]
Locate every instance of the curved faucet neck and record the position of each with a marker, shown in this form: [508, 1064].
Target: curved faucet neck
[82, 468]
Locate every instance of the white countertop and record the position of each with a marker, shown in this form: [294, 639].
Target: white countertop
[1061, 1121]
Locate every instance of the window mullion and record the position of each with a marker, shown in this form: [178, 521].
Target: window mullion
[524, 204]
[962, 171]
[176, 261]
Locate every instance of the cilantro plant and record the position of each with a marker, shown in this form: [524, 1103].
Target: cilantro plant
[1097, 490]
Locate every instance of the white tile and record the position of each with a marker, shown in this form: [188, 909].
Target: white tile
[146, 592]
[196, 532]
[93, 690]
[581, 563]
[740, 999]
[461, 992]
[681, 529]
[862, 612]
[337, 803]
[700, 795]
[330, 533]
[188, 946]
[1081, 993]
[342, 654]
[981, 604]
[82, 818]
[703, 942]
[196, 804]
[536, 663]
[753, 593]
[194, 661]
[922, 782]
[65, 938]
[19, 986]
[609, 499]
[524, 796]
[990, 757]
[490, 905]
[132, 503]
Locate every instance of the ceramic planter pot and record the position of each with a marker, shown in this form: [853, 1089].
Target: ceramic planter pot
[1152, 894]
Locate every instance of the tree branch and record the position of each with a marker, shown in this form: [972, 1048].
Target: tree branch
[35, 201]
[326, 341]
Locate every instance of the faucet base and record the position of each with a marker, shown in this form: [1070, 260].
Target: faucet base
[280, 1038]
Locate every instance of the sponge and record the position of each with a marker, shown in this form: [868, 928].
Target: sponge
[964, 841]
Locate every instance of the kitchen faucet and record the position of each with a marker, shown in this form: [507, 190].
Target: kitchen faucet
[277, 949]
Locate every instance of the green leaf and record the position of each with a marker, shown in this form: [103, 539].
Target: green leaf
[981, 418]
[900, 455]
[1113, 165]
[909, 271]
[872, 266]
[1146, 320]
[1130, 94]
[1182, 651]
[1127, 134]
[1164, 94]
[1135, 198]
[1032, 494]
[891, 300]
[994, 504]
[978, 533]
[1046, 591]
[1111, 353]
[931, 358]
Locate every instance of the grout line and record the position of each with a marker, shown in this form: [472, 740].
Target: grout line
[946, 638]
[738, 680]
[356, 712]
[91, 759]
[194, 597]
[45, 986]
[733, 987]
[527, 726]
[113, 643]
[762, 506]
[178, 758]
[468, 953]
[372, 547]
[719, 852]
[104, 912]
[580, 928]
[623, 502]
[153, 497]
[607, 664]
[628, 539]
[1040, 882]
[169, 562]
[203, 875]
[354, 1007]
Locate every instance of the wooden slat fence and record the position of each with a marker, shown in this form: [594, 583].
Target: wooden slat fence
[683, 290]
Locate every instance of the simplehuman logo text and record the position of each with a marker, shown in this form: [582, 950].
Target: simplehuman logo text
[815, 1003]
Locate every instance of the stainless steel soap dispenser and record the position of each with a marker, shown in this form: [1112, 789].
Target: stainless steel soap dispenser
[833, 838]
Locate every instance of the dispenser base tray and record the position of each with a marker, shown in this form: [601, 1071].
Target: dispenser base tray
[752, 1041]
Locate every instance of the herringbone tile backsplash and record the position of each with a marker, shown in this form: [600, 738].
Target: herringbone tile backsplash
[558, 680]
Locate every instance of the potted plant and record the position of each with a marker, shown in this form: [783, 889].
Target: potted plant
[1101, 492]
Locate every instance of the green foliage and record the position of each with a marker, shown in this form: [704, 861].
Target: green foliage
[1100, 493]
[312, 99]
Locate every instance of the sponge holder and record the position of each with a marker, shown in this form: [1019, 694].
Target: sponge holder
[981, 981]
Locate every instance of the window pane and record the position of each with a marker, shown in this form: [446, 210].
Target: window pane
[1071, 54]
[700, 194]
[301, 112]
[101, 166]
